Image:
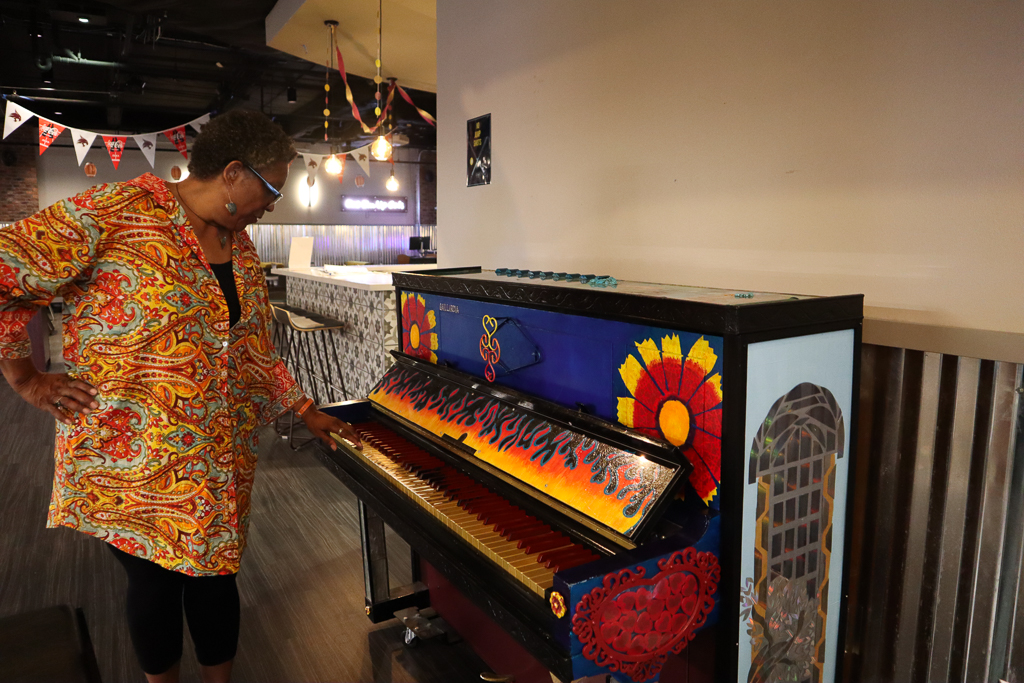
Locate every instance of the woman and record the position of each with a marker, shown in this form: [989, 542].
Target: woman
[170, 373]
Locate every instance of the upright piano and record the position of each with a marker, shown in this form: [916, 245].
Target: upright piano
[616, 471]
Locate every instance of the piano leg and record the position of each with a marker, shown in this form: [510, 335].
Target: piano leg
[381, 601]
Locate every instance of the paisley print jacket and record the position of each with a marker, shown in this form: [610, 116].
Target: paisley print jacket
[163, 469]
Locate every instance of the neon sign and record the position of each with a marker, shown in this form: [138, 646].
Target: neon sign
[377, 204]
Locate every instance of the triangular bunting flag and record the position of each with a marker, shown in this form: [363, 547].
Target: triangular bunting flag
[177, 138]
[14, 117]
[115, 146]
[312, 163]
[48, 132]
[147, 143]
[200, 122]
[362, 157]
[81, 140]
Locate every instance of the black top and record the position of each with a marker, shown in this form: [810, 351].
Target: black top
[696, 309]
[226, 277]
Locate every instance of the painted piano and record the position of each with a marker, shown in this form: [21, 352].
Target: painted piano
[618, 473]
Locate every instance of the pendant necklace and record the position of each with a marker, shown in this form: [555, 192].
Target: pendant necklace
[223, 237]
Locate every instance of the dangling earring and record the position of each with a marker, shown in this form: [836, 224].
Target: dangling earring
[230, 206]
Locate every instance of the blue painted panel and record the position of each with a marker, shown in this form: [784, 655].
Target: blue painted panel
[580, 356]
[579, 363]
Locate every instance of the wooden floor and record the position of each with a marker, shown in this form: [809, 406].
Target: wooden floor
[301, 579]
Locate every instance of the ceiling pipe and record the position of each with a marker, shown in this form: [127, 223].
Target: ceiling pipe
[75, 59]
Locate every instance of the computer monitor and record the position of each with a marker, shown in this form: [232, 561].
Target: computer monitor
[419, 243]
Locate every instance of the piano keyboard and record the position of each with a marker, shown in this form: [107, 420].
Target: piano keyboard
[522, 545]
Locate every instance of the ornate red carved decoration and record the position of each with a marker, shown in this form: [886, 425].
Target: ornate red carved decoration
[631, 623]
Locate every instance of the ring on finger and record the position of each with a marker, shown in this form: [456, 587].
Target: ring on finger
[58, 404]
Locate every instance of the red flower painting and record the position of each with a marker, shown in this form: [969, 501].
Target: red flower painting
[419, 334]
[679, 400]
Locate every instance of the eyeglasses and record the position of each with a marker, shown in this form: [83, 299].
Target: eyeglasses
[270, 188]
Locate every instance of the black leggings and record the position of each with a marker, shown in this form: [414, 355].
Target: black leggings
[155, 599]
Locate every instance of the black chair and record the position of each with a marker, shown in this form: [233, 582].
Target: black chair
[308, 350]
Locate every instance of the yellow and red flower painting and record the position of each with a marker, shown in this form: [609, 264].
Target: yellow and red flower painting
[679, 400]
[419, 328]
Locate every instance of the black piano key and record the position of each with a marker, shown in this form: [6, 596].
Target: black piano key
[536, 545]
[569, 563]
[505, 528]
[533, 536]
[469, 491]
[530, 531]
[545, 556]
[496, 516]
[486, 505]
[558, 556]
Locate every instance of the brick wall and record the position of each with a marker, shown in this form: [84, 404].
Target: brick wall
[428, 189]
[19, 189]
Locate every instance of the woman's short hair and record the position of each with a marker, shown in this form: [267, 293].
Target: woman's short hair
[248, 136]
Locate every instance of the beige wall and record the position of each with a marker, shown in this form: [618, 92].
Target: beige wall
[792, 145]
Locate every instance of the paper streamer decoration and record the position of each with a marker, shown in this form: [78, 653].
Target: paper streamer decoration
[200, 122]
[81, 140]
[426, 117]
[115, 146]
[147, 143]
[177, 138]
[14, 117]
[391, 96]
[48, 132]
[352, 102]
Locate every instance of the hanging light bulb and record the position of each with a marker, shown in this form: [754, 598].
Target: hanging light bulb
[392, 183]
[381, 149]
[332, 165]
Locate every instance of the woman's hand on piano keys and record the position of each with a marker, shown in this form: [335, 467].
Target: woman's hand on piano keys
[323, 425]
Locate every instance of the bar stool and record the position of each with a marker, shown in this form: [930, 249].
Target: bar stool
[298, 336]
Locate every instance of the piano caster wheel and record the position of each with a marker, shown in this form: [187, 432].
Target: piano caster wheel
[410, 638]
[492, 677]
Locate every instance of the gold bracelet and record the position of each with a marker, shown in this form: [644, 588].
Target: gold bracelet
[305, 406]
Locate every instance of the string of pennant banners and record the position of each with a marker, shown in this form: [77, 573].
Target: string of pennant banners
[16, 115]
[82, 140]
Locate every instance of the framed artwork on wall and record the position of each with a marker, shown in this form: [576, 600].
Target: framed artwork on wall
[478, 151]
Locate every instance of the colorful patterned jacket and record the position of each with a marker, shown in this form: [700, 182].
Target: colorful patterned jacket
[163, 469]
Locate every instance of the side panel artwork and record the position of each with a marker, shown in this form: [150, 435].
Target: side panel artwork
[799, 397]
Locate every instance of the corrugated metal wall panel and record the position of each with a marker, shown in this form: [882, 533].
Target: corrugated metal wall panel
[934, 591]
[335, 244]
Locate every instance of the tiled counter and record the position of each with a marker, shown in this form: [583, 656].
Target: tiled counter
[368, 312]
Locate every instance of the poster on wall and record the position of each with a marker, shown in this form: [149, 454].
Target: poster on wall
[478, 151]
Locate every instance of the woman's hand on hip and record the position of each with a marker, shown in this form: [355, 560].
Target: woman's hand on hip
[58, 394]
[323, 425]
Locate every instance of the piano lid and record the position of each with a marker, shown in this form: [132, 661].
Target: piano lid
[613, 477]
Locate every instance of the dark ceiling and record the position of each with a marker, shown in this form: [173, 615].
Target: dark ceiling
[146, 65]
